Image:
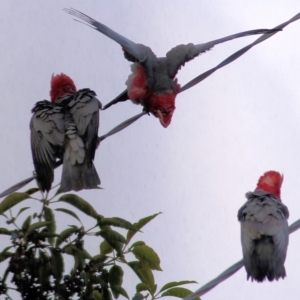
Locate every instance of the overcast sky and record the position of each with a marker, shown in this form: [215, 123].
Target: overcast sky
[225, 133]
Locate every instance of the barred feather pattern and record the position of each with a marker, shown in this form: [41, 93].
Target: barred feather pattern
[264, 236]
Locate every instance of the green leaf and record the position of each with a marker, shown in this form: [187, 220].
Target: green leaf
[85, 254]
[46, 234]
[21, 210]
[70, 249]
[175, 283]
[145, 275]
[138, 243]
[98, 260]
[115, 276]
[12, 200]
[97, 295]
[36, 226]
[49, 217]
[141, 223]
[69, 212]
[80, 204]
[79, 259]
[5, 231]
[26, 224]
[114, 239]
[32, 191]
[138, 296]
[106, 248]
[106, 294]
[118, 290]
[178, 292]
[44, 269]
[147, 256]
[111, 235]
[141, 287]
[117, 222]
[65, 234]
[57, 264]
[4, 254]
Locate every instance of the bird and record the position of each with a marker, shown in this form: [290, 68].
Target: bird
[264, 229]
[153, 82]
[66, 128]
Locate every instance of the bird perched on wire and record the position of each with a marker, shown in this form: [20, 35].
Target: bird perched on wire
[152, 82]
[264, 229]
[66, 128]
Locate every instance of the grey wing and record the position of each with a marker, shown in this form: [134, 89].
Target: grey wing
[133, 52]
[181, 54]
[85, 113]
[47, 138]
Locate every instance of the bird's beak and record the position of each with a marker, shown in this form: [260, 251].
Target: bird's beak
[164, 119]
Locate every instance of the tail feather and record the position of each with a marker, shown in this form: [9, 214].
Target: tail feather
[78, 177]
[263, 263]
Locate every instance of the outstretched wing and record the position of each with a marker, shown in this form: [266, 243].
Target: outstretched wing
[133, 52]
[181, 54]
[47, 138]
[237, 54]
[84, 109]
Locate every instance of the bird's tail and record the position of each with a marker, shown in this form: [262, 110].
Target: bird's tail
[78, 177]
[264, 262]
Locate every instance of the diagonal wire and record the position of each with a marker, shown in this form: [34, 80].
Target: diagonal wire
[229, 272]
[236, 55]
[115, 130]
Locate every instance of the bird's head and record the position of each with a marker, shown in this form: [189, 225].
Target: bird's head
[61, 85]
[270, 182]
[162, 105]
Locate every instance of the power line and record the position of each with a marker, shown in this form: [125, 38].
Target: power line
[229, 272]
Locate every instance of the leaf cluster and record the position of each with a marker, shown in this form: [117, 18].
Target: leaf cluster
[36, 257]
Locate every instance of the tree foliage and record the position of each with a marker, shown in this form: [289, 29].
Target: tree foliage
[36, 258]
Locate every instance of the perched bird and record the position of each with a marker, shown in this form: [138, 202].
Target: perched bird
[264, 229]
[66, 128]
[152, 82]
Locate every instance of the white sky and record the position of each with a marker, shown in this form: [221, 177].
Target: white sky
[226, 132]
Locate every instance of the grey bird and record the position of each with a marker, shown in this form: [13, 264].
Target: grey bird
[264, 230]
[153, 82]
[66, 128]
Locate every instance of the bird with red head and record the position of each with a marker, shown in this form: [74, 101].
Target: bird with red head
[264, 229]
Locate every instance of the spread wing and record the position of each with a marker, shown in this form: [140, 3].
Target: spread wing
[237, 54]
[47, 138]
[181, 54]
[133, 52]
[84, 109]
[264, 214]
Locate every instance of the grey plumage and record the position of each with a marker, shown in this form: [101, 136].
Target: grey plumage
[81, 126]
[264, 236]
[161, 71]
[66, 130]
[47, 127]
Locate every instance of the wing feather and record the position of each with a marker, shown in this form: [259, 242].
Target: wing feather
[181, 54]
[133, 52]
[47, 137]
[85, 113]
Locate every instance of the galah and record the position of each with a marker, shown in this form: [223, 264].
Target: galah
[66, 128]
[264, 229]
[152, 82]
